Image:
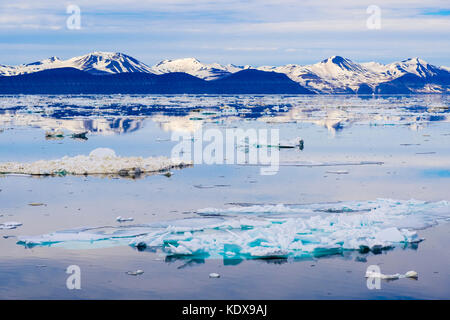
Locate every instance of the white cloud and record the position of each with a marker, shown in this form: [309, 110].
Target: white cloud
[232, 30]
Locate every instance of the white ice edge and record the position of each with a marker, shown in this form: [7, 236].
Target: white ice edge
[410, 274]
[268, 231]
[10, 225]
[99, 161]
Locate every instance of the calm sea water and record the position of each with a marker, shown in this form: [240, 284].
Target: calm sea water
[408, 136]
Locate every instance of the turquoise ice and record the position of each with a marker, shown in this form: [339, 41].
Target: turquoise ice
[265, 231]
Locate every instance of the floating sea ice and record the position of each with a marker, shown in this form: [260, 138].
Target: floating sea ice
[54, 133]
[371, 274]
[270, 231]
[390, 235]
[412, 274]
[135, 273]
[10, 225]
[80, 135]
[292, 143]
[409, 274]
[99, 161]
[214, 275]
[338, 172]
[120, 219]
[36, 204]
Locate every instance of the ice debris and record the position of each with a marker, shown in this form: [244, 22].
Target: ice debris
[268, 231]
[296, 143]
[121, 219]
[214, 275]
[135, 273]
[410, 274]
[80, 135]
[36, 204]
[100, 161]
[10, 225]
[337, 172]
[54, 134]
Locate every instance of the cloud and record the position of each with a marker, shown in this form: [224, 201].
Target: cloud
[231, 29]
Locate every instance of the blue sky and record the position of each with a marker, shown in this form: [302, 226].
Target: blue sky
[256, 32]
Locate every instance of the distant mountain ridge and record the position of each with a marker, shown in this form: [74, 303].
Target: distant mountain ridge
[75, 81]
[333, 75]
[95, 63]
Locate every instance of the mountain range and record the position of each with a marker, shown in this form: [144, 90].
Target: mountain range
[106, 72]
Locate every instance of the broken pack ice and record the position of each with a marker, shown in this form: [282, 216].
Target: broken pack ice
[265, 231]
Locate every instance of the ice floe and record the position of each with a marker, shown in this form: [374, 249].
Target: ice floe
[126, 113]
[10, 225]
[122, 219]
[135, 273]
[410, 274]
[268, 231]
[99, 161]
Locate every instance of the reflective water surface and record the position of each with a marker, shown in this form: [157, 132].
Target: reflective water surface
[402, 143]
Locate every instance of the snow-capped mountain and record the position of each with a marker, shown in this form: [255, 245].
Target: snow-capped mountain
[415, 74]
[194, 67]
[339, 75]
[333, 75]
[94, 63]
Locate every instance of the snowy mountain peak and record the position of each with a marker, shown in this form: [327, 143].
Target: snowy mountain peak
[52, 59]
[44, 62]
[190, 60]
[415, 66]
[340, 63]
[196, 68]
[178, 63]
[415, 60]
[108, 62]
[335, 60]
[335, 74]
[95, 63]
[336, 68]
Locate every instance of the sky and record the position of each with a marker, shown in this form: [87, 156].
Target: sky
[254, 32]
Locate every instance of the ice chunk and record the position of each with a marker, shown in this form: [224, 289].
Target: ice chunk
[409, 274]
[80, 135]
[338, 172]
[412, 274]
[10, 225]
[54, 133]
[120, 219]
[100, 161]
[135, 273]
[36, 204]
[269, 231]
[214, 275]
[371, 274]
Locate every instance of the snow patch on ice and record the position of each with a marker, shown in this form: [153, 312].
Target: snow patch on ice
[99, 161]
